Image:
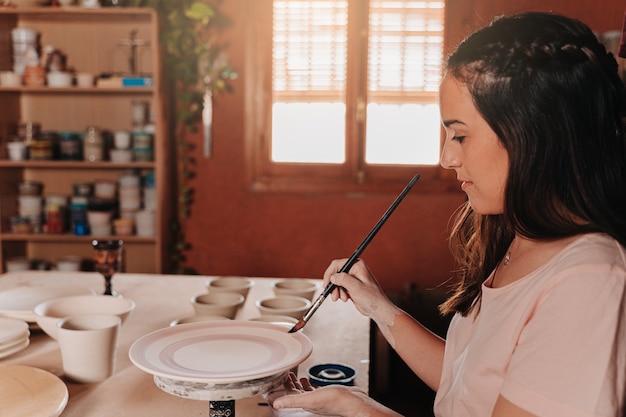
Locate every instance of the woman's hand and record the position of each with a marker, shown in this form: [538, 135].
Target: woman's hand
[332, 400]
[360, 286]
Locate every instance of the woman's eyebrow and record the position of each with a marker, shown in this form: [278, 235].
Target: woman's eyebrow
[447, 123]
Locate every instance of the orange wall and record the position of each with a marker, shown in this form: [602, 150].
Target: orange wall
[235, 231]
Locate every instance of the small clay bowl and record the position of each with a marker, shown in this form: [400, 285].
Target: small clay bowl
[284, 305]
[295, 286]
[239, 285]
[217, 304]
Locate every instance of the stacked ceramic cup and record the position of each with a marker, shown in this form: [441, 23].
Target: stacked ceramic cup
[24, 42]
[122, 152]
[129, 201]
[149, 192]
[30, 203]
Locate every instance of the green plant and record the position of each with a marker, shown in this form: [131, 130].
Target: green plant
[196, 67]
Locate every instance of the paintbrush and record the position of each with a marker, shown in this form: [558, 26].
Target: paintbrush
[355, 256]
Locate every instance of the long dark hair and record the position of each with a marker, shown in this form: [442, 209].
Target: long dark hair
[550, 91]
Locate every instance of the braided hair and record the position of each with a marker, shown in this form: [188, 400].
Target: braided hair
[551, 93]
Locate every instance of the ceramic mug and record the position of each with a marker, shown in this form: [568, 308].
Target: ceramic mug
[88, 345]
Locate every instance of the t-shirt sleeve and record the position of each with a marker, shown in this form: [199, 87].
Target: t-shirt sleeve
[569, 349]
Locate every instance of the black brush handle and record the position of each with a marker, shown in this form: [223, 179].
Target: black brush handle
[359, 250]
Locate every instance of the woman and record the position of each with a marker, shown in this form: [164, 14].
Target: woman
[534, 114]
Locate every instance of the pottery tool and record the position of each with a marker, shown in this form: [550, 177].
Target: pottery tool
[355, 256]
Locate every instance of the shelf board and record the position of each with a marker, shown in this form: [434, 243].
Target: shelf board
[75, 164]
[66, 237]
[77, 90]
[76, 11]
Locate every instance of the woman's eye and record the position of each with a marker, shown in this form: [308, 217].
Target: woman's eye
[451, 134]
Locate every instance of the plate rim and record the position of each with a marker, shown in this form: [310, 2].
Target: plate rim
[50, 378]
[134, 352]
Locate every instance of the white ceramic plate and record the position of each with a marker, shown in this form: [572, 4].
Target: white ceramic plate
[19, 302]
[220, 352]
[31, 392]
[12, 330]
[10, 350]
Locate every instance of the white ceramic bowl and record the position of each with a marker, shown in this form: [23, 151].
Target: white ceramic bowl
[70, 263]
[59, 79]
[284, 305]
[84, 79]
[295, 286]
[239, 285]
[49, 313]
[10, 79]
[285, 321]
[18, 263]
[217, 304]
[196, 319]
[121, 156]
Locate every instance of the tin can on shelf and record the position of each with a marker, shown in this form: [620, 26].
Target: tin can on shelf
[28, 130]
[71, 147]
[93, 145]
[41, 150]
[142, 146]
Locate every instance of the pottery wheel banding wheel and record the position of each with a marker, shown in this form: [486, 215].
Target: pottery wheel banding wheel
[220, 360]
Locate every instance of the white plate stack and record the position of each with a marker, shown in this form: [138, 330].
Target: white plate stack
[14, 336]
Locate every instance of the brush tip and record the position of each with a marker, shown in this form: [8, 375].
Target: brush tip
[300, 324]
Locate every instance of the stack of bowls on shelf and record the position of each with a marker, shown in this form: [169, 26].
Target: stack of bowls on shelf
[101, 208]
[129, 202]
[30, 204]
[121, 153]
[145, 220]
[25, 41]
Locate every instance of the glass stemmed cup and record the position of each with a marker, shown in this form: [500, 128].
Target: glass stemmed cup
[108, 261]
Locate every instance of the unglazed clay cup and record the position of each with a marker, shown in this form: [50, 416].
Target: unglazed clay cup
[84, 79]
[49, 313]
[217, 304]
[295, 286]
[88, 344]
[239, 285]
[284, 305]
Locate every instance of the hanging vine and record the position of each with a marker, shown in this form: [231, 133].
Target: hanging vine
[195, 66]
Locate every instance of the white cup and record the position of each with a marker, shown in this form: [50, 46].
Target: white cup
[84, 79]
[145, 221]
[17, 150]
[88, 345]
[10, 79]
[122, 139]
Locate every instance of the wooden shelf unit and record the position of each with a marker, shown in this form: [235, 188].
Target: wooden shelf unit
[93, 41]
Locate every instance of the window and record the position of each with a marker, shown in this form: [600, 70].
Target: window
[343, 93]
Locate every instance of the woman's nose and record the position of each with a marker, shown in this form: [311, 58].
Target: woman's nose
[449, 158]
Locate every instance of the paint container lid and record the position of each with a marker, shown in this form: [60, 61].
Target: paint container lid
[331, 373]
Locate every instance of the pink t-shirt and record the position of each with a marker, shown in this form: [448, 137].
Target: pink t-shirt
[553, 342]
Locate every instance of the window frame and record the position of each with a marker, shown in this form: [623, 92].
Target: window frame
[353, 175]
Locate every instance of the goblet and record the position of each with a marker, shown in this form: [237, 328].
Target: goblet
[108, 259]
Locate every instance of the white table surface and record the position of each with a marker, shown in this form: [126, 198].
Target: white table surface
[338, 332]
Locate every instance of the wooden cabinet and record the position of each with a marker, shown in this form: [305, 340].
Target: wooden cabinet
[94, 41]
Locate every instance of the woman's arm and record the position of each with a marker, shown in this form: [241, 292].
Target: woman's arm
[421, 349]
